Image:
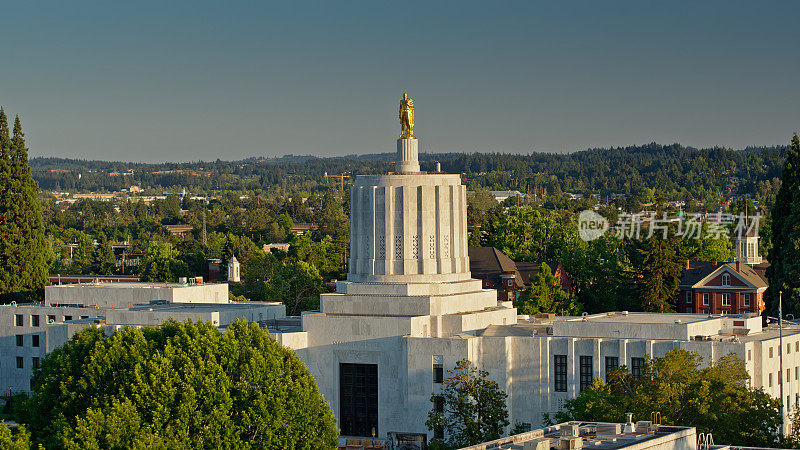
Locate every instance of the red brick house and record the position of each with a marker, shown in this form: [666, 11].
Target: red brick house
[509, 278]
[529, 270]
[496, 271]
[720, 288]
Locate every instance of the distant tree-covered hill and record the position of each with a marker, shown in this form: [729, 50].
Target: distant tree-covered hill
[673, 171]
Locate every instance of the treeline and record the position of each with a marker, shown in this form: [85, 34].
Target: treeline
[676, 171]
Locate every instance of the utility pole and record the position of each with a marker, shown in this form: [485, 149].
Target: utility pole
[781, 378]
[205, 239]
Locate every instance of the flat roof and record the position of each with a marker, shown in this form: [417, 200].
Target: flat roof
[202, 307]
[136, 285]
[643, 317]
[597, 435]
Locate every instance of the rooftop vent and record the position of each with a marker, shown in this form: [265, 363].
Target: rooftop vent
[629, 426]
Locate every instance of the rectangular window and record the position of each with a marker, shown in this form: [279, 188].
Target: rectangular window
[67, 318]
[34, 320]
[770, 352]
[586, 372]
[795, 373]
[688, 298]
[18, 320]
[438, 406]
[438, 373]
[770, 379]
[20, 340]
[35, 340]
[612, 362]
[746, 301]
[35, 362]
[726, 299]
[636, 367]
[358, 399]
[86, 317]
[788, 348]
[705, 298]
[726, 280]
[560, 373]
[20, 362]
[51, 318]
[749, 355]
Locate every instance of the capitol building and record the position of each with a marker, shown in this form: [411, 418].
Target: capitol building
[380, 346]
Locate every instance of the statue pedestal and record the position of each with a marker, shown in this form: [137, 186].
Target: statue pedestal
[407, 156]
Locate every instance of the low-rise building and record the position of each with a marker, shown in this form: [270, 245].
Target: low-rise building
[721, 288]
[29, 331]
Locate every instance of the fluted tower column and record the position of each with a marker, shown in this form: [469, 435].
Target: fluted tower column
[407, 155]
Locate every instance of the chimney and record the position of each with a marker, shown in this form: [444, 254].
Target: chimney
[713, 264]
[738, 266]
[687, 264]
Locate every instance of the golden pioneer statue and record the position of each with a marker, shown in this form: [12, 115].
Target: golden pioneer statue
[406, 114]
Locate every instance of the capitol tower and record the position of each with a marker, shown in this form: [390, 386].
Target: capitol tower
[409, 309]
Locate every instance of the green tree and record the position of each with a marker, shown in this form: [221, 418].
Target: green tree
[659, 271]
[473, 407]
[715, 399]
[784, 270]
[103, 259]
[181, 385]
[707, 246]
[161, 263]
[18, 440]
[546, 296]
[297, 285]
[23, 255]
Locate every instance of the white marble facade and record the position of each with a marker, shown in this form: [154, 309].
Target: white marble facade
[409, 306]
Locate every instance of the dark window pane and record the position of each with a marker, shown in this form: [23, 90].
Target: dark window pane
[438, 373]
[586, 372]
[636, 367]
[612, 362]
[560, 372]
[358, 392]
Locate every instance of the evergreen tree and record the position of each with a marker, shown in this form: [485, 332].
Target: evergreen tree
[659, 274]
[546, 296]
[5, 200]
[784, 269]
[23, 252]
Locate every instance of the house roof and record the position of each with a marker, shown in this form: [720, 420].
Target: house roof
[489, 262]
[529, 270]
[699, 270]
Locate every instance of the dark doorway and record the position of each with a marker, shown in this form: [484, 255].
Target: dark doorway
[358, 397]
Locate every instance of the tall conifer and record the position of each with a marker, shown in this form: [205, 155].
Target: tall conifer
[784, 257]
[23, 239]
[5, 199]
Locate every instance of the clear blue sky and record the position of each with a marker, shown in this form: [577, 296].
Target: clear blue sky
[178, 81]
